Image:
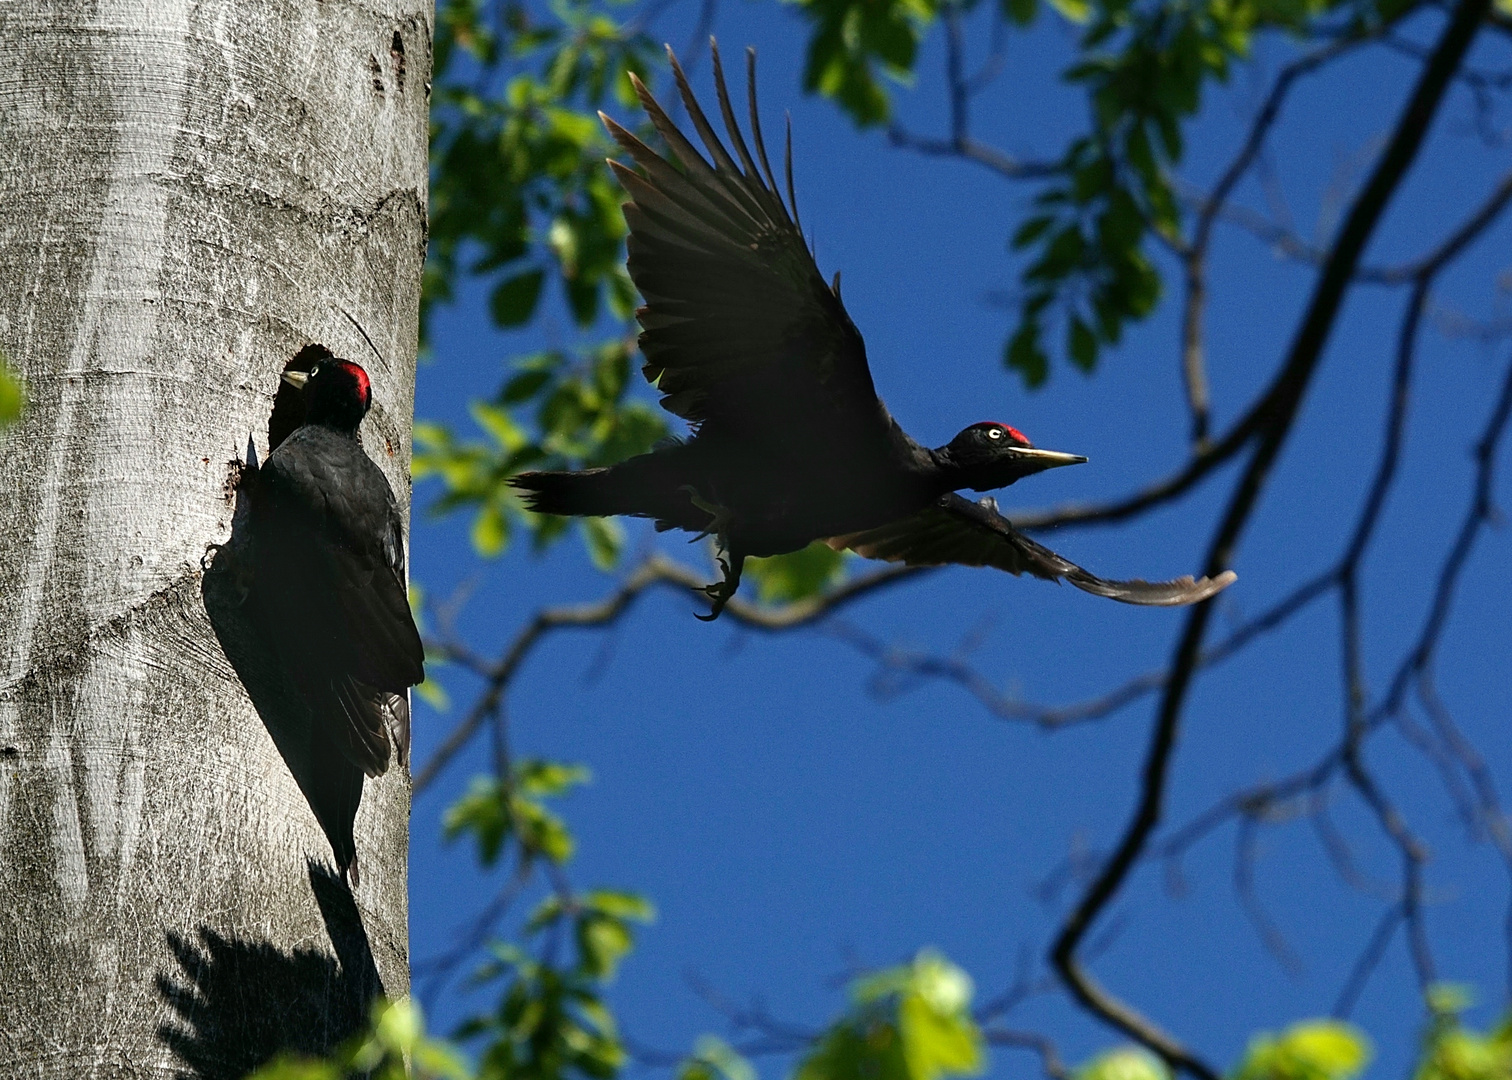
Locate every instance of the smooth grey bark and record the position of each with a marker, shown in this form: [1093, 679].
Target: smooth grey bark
[189, 194]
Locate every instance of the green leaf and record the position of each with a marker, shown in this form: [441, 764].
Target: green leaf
[291, 1068]
[12, 396]
[1310, 1050]
[1081, 344]
[798, 574]
[1077, 11]
[1025, 355]
[621, 905]
[605, 537]
[715, 1059]
[485, 812]
[514, 301]
[499, 424]
[1022, 12]
[524, 386]
[433, 694]
[1449, 998]
[1031, 230]
[602, 944]
[490, 531]
[909, 1023]
[1124, 1063]
[937, 1042]
[545, 778]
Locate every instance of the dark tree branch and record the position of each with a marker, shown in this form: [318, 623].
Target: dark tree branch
[656, 571]
[1278, 412]
[960, 144]
[1050, 1060]
[1244, 887]
[1194, 256]
[1415, 670]
[1370, 957]
[1287, 243]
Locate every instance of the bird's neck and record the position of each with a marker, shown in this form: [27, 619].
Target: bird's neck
[946, 472]
[334, 425]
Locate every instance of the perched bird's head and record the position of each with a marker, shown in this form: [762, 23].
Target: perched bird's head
[337, 393]
[992, 455]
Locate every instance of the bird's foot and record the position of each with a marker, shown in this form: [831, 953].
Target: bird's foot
[719, 516]
[721, 592]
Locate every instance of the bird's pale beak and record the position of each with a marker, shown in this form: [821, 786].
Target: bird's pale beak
[297, 379]
[1047, 459]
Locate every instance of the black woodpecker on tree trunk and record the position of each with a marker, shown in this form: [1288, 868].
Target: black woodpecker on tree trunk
[328, 588]
[746, 341]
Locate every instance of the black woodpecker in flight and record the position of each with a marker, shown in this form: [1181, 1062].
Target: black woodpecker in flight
[747, 342]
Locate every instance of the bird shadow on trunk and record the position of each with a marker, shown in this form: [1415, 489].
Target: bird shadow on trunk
[237, 1004]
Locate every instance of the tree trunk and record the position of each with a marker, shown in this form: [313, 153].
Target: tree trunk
[191, 193]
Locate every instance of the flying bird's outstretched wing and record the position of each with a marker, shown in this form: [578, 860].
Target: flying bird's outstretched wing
[738, 325]
[957, 530]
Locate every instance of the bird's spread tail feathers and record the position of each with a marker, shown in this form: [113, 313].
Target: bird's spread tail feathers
[644, 486]
[590, 493]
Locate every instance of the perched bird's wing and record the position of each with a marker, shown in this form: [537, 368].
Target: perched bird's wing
[738, 325]
[957, 530]
[330, 559]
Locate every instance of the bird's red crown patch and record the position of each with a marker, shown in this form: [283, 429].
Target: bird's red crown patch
[364, 385]
[1012, 432]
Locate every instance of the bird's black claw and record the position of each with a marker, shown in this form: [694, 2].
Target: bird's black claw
[720, 598]
[720, 592]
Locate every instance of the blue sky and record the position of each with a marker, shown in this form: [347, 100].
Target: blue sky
[790, 825]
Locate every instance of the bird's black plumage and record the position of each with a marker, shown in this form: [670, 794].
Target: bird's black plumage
[746, 341]
[329, 586]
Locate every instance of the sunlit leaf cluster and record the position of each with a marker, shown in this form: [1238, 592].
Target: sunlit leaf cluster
[803, 573]
[582, 417]
[394, 1047]
[520, 194]
[1453, 1051]
[495, 811]
[857, 44]
[551, 1022]
[907, 1023]
[1143, 69]
[1313, 1050]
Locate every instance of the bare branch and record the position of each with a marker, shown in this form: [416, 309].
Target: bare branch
[1370, 957]
[1050, 1059]
[1278, 412]
[1194, 258]
[1249, 900]
[960, 144]
[656, 571]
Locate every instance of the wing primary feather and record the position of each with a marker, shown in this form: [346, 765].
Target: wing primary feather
[682, 149]
[756, 119]
[675, 186]
[736, 139]
[788, 170]
[651, 200]
[706, 132]
[956, 530]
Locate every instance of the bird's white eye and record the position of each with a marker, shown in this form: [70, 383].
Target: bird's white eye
[994, 433]
[313, 370]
